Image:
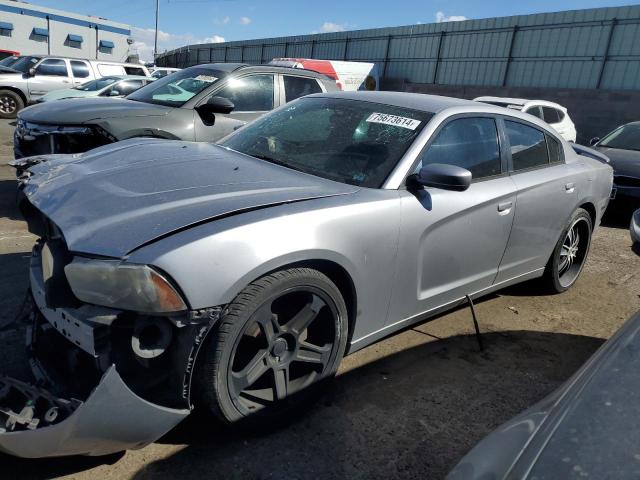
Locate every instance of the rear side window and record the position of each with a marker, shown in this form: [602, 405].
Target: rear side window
[552, 115]
[79, 69]
[528, 146]
[470, 143]
[135, 71]
[555, 150]
[296, 87]
[52, 67]
[535, 111]
[109, 70]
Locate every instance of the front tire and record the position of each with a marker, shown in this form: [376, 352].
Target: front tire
[570, 253]
[282, 335]
[10, 104]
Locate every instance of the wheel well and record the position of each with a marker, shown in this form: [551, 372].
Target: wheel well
[338, 275]
[18, 91]
[591, 209]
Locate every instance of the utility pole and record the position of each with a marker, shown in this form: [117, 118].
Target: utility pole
[155, 45]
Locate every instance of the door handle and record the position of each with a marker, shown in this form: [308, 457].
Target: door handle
[569, 187]
[505, 207]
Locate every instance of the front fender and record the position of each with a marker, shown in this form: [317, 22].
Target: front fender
[212, 263]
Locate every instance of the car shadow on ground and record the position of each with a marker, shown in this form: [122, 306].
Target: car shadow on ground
[411, 414]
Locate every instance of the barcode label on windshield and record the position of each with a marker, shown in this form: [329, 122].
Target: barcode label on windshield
[394, 120]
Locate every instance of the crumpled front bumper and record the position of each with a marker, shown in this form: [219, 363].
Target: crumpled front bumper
[111, 420]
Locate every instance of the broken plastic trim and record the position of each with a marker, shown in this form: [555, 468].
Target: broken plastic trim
[112, 419]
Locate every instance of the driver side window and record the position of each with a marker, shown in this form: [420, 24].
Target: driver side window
[470, 143]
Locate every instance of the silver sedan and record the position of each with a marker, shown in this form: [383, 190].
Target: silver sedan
[235, 277]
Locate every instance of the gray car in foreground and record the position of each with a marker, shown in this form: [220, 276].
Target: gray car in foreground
[235, 277]
[201, 103]
[588, 428]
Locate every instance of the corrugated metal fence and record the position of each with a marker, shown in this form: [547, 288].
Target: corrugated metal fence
[595, 48]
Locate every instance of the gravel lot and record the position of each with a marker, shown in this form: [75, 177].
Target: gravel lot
[407, 407]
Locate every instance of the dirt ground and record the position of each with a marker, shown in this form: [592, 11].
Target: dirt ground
[408, 407]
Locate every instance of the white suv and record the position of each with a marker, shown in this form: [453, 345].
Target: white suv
[552, 113]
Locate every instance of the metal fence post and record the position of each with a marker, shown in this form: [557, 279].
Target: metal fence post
[386, 58]
[605, 56]
[509, 55]
[435, 70]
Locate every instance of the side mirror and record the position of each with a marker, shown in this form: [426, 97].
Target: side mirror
[114, 93]
[216, 105]
[594, 140]
[440, 175]
[32, 72]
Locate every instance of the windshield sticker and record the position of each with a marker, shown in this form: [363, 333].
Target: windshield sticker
[394, 120]
[206, 78]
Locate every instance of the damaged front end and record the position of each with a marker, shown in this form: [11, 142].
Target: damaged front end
[107, 380]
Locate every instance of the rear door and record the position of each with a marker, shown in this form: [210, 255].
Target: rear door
[293, 87]
[546, 197]
[80, 71]
[452, 242]
[50, 74]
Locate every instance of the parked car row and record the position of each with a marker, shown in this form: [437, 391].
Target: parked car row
[236, 276]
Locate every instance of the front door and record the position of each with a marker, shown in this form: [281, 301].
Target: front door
[50, 74]
[252, 95]
[452, 242]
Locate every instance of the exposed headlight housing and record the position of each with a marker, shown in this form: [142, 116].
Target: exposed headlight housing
[111, 283]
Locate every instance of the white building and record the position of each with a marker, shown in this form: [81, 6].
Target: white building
[33, 30]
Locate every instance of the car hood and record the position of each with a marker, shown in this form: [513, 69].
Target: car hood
[589, 427]
[116, 198]
[80, 110]
[624, 162]
[67, 93]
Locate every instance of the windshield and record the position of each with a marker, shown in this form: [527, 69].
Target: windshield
[95, 85]
[23, 64]
[349, 141]
[7, 62]
[176, 89]
[626, 137]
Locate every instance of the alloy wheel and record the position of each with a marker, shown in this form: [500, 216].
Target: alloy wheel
[287, 345]
[8, 105]
[573, 252]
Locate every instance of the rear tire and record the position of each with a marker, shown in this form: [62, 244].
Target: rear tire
[570, 254]
[282, 336]
[10, 104]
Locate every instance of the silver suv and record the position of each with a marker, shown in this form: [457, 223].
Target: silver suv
[30, 77]
[202, 103]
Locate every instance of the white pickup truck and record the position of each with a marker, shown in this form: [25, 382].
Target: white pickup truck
[32, 77]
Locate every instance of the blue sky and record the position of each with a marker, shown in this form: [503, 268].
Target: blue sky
[191, 21]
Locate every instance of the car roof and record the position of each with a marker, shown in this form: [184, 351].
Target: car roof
[232, 67]
[519, 101]
[416, 101]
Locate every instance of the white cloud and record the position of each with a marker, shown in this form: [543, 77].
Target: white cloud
[245, 20]
[441, 17]
[328, 27]
[222, 21]
[144, 39]
[214, 39]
